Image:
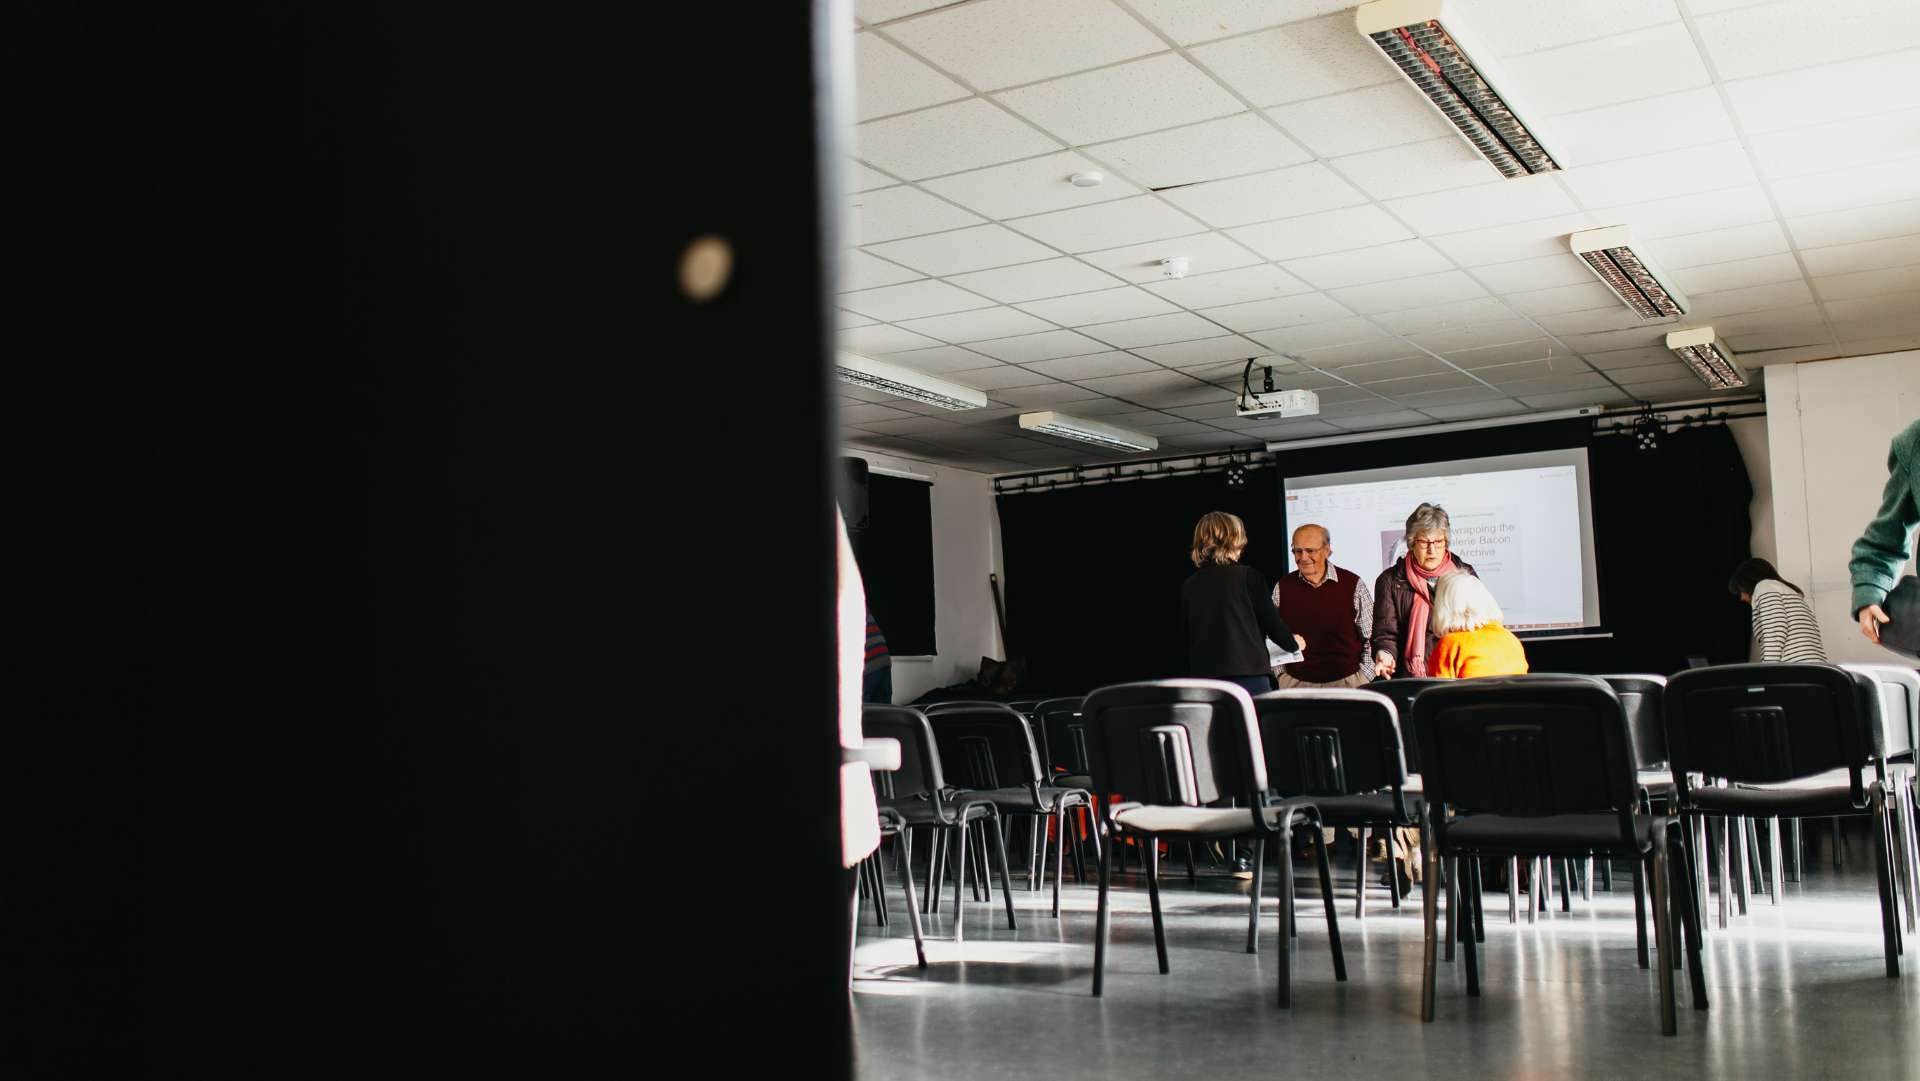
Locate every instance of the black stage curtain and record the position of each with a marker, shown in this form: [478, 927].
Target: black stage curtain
[1094, 572]
[895, 553]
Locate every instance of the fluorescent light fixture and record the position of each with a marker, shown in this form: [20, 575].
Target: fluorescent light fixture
[1423, 39]
[906, 383]
[1628, 273]
[1709, 358]
[1048, 422]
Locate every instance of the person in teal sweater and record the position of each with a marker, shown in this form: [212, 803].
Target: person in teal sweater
[1882, 551]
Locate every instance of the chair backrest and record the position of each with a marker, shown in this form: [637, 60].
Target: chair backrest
[1899, 705]
[1640, 695]
[1769, 723]
[1527, 747]
[920, 770]
[1401, 692]
[1330, 742]
[985, 745]
[1023, 706]
[1063, 741]
[1178, 742]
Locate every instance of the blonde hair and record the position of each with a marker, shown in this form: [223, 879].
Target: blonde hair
[1219, 537]
[1462, 602]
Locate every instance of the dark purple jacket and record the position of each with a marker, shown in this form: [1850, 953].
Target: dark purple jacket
[1393, 606]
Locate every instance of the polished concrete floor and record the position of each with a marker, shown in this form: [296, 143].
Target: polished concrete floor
[1797, 991]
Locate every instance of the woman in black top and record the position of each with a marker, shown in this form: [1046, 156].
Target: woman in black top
[1228, 609]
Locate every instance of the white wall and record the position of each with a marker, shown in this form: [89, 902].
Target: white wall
[966, 548]
[1828, 426]
[1750, 435]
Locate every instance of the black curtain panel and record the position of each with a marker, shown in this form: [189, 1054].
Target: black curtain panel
[1094, 572]
[895, 553]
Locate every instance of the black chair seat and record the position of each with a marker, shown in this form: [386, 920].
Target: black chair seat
[1367, 809]
[1074, 780]
[920, 812]
[1558, 835]
[1022, 799]
[1786, 801]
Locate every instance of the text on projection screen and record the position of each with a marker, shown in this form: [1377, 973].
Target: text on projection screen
[1523, 521]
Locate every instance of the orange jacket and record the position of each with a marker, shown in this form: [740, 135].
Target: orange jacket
[1490, 650]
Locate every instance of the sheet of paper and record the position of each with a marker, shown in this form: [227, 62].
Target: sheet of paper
[1276, 657]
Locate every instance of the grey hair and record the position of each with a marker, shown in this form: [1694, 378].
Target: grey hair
[1462, 602]
[1326, 535]
[1428, 518]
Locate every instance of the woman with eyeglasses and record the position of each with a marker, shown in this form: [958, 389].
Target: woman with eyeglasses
[1404, 638]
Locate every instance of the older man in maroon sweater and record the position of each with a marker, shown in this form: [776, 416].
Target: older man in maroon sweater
[1330, 607]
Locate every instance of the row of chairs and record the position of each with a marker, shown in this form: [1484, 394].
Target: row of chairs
[1534, 766]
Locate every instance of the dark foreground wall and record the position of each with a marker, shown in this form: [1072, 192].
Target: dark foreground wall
[384, 635]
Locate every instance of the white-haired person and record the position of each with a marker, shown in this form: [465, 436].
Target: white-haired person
[1472, 641]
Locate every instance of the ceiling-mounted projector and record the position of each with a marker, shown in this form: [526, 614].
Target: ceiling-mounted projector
[1279, 403]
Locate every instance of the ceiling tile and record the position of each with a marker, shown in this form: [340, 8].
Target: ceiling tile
[1511, 27]
[1283, 193]
[887, 80]
[1202, 351]
[1751, 299]
[1737, 274]
[1204, 252]
[1856, 225]
[1812, 334]
[962, 250]
[1610, 340]
[1673, 390]
[1342, 356]
[948, 139]
[1261, 282]
[858, 414]
[891, 213]
[1775, 37]
[1103, 407]
[1868, 283]
[1093, 365]
[1493, 356]
[1108, 225]
[973, 326]
[1370, 118]
[1430, 289]
[858, 270]
[1541, 273]
[1274, 314]
[1864, 141]
[1189, 21]
[1564, 298]
[1299, 428]
[1209, 411]
[846, 320]
[1661, 176]
[1441, 316]
[1302, 60]
[1297, 338]
[1821, 95]
[1403, 259]
[1641, 63]
[1028, 348]
[1498, 407]
[1636, 357]
[1395, 388]
[1385, 370]
[1153, 330]
[1477, 335]
[1751, 322]
[1507, 243]
[1103, 306]
[997, 43]
[1570, 398]
[1317, 234]
[1229, 373]
[1818, 193]
[942, 358]
[1140, 96]
[1032, 281]
[880, 340]
[1866, 255]
[1717, 245]
[1693, 213]
[1651, 373]
[1668, 122]
[1417, 168]
[875, 11]
[998, 377]
[1614, 316]
[1551, 384]
[911, 300]
[1132, 386]
[932, 426]
[1231, 146]
[1426, 401]
[855, 177]
[1034, 186]
[1502, 202]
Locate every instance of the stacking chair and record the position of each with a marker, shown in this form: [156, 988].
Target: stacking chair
[1343, 750]
[1401, 692]
[918, 793]
[873, 880]
[1542, 765]
[1792, 740]
[1063, 747]
[1639, 696]
[1900, 725]
[988, 750]
[1173, 750]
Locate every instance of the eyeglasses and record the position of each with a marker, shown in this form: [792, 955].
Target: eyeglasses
[1428, 542]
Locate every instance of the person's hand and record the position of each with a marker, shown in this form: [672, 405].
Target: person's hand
[1383, 664]
[1870, 619]
[1299, 643]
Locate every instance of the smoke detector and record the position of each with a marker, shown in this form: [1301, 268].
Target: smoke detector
[1088, 179]
[1175, 267]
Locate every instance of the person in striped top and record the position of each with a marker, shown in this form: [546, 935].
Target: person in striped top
[876, 682]
[1783, 625]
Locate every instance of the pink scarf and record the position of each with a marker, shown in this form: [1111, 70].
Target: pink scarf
[1415, 631]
